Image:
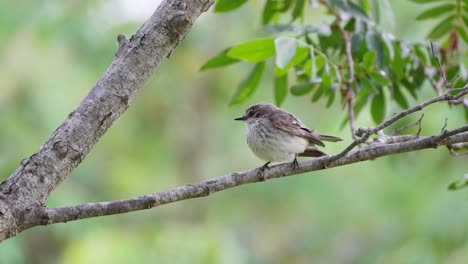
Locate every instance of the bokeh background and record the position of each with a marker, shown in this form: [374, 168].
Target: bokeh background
[180, 130]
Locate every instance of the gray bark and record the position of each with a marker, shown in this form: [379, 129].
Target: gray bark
[46, 216]
[29, 186]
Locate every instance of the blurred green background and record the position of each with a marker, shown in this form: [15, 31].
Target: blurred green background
[180, 130]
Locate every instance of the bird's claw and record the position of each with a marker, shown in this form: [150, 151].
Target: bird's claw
[295, 164]
[261, 171]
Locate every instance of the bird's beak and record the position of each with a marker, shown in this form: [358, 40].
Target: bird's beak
[241, 118]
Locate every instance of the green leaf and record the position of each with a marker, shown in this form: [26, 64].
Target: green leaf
[436, 11]
[369, 59]
[443, 28]
[219, 60]
[359, 103]
[318, 94]
[378, 108]
[463, 34]
[356, 43]
[269, 11]
[300, 56]
[285, 48]
[298, 10]
[327, 81]
[399, 97]
[465, 19]
[331, 98]
[398, 64]
[466, 114]
[388, 45]
[380, 78]
[253, 51]
[410, 87]
[249, 85]
[301, 88]
[457, 185]
[373, 42]
[281, 89]
[366, 86]
[421, 54]
[227, 5]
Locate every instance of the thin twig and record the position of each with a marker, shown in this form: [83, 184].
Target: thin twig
[442, 72]
[349, 93]
[365, 133]
[403, 128]
[445, 125]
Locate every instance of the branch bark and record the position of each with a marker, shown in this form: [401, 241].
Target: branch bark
[46, 216]
[29, 186]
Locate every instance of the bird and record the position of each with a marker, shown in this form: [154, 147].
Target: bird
[275, 135]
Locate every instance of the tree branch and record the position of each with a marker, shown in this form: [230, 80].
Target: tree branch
[46, 216]
[136, 59]
[348, 93]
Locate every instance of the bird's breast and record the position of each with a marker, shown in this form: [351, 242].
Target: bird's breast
[272, 144]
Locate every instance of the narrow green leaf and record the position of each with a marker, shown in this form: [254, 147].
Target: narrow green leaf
[356, 43]
[269, 11]
[253, 51]
[219, 60]
[249, 85]
[378, 108]
[388, 41]
[318, 93]
[285, 48]
[227, 5]
[380, 78]
[463, 34]
[375, 10]
[465, 18]
[359, 103]
[331, 98]
[327, 81]
[421, 54]
[369, 59]
[399, 97]
[398, 64]
[298, 10]
[366, 86]
[442, 29]
[466, 114]
[374, 42]
[436, 11]
[301, 88]
[286, 4]
[410, 87]
[281, 89]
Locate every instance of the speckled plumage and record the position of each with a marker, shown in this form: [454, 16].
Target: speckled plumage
[275, 135]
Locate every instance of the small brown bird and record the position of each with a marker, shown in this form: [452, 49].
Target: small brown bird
[275, 135]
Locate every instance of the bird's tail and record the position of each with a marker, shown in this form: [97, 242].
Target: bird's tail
[330, 138]
[312, 152]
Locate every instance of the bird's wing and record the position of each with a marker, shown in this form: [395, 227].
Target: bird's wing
[289, 123]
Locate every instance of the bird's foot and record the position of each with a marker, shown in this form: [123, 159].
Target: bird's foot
[295, 164]
[261, 171]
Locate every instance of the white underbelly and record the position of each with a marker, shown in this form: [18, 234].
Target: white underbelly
[274, 145]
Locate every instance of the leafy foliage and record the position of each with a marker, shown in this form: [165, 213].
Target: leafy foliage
[385, 68]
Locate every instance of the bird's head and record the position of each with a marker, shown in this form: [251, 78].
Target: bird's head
[258, 110]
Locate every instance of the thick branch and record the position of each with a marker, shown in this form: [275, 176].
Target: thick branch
[136, 59]
[45, 216]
